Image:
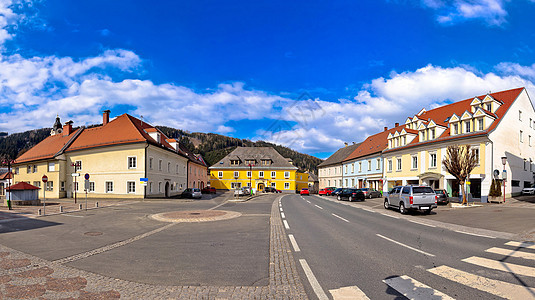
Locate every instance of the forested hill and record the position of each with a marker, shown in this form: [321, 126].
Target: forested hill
[213, 147]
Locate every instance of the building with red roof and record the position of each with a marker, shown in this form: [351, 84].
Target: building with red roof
[124, 158]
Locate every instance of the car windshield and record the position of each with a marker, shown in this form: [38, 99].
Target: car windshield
[422, 190]
[365, 189]
[440, 192]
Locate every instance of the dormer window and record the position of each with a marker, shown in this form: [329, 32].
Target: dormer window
[456, 128]
[433, 133]
[489, 107]
[234, 162]
[480, 124]
[266, 162]
[250, 162]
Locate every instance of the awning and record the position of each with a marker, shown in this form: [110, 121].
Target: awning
[431, 175]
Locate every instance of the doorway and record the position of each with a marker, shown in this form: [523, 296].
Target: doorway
[261, 186]
[167, 189]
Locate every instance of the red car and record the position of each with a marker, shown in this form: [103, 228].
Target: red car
[305, 192]
[209, 190]
[325, 192]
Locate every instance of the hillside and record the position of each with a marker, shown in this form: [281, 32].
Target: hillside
[213, 147]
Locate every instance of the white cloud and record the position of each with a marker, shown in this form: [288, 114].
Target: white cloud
[492, 12]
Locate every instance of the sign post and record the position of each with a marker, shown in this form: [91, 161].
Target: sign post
[45, 180]
[86, 176]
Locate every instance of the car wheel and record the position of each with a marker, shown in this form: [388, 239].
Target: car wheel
[387, 206]
[427, 211]
[402, 209]
[370, 196]
[350, 199]
[339, 198]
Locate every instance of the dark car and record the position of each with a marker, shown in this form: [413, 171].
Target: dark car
[191, 193]
[371, 193]
[442, 196]
[209, 190]
[336, 192]
[269, 189]
[351, 195]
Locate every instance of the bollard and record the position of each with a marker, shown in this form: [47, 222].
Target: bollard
[80, 207]
[96, 204]
[60, 209]
[39, 212]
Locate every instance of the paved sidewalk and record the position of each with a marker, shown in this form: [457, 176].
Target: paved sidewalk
[23, 276]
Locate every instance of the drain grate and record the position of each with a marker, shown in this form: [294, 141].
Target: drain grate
[93, 233]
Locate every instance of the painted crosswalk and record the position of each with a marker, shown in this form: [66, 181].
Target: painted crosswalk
[414, 289]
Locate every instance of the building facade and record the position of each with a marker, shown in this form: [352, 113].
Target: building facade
[330, 171]
[257, 167]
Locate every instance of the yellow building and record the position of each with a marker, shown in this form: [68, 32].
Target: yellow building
[124, 158]
[257, 167]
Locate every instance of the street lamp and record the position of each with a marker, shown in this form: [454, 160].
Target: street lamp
[504, 175]
[8, 162]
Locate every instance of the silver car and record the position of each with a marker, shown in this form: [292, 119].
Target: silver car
[409, 197]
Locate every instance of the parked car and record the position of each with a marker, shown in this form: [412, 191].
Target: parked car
[371, 193]
[331, 190]
[269, 189]
[243, 191]
[209, 190]
[323, 192]
[191, 193]
[305, 191]
[336, 192]
[442, 196]
[409, 197]
[351, 194]
[528, 190]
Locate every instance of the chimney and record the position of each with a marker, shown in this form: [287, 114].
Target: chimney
[397, 124]
[105, 117]
[67, 128]
[345, 144]
[386, 128]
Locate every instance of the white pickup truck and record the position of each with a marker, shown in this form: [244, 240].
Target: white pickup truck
[409, 197]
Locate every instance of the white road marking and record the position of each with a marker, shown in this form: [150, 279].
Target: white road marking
[308, 201]
[313, 281]
[421, 223]
[340, 218]
[475, 234]
[294, 243]
[286, 224]
[348, 293]
[492, 286]
[368, 210]
[501, 266]
[280, 208]
[318, 206]
[406, 246]
[413, 289]
[387, 215]
[521, 245]
[513, 253]
[283, 216]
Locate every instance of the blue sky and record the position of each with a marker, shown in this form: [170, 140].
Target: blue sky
[307, 74]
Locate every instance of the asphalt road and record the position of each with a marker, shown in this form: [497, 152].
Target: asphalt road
[361, 248]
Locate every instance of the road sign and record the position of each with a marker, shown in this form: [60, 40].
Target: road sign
[45, 178]
[504, 174]
[86, 184]
[75, 174]
[86, 176]
[143, 179]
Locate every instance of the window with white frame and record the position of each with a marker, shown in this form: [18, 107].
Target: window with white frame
[360, 166]
[433, 134]
[273, 174]
[389, 165]
[29, 169]
[286, 185]
[273, 184]
[249, 174]
[261, 174]
[352, 182]
[34, 168]
[220, 174]
[49, 186]
[62, 186]
[378, 164]
[78, 166]
[286, 174]
[476, 152]
[131, 187]
[76, 186]
[353, 168]
[456, 128]
[414, 162]
[521, 136]
[109, 186]
[235, 185]
[91, 186]
[467, 126]
[480, 124]
[489, 107]
[530, 120]
[369, 165]
[132, 162]
[520, 115]
[160, 162]
[51, 167]
[236, 174]
[37, 184]
[347, 183]
[399, 164]
[150, 163]
[433, 160]
[529, 140]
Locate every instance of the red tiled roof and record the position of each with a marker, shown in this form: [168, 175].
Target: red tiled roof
[22, 186]
[373, 144]
[47, 148]
[440, 114]
[6, 175]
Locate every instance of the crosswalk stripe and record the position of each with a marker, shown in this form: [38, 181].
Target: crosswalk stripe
[521, 245]
[512, 253]
[413, 289]
[348, 293]
[501, 266]
[495, 287]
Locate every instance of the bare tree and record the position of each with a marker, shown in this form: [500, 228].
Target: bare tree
[459, 162]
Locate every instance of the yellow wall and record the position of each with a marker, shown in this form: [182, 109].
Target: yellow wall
[225, 182]
[34, 178]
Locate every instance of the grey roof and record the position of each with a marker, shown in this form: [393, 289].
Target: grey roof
[312, 177]
[258, 153]
[339, 155]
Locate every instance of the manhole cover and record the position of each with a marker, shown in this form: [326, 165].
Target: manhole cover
[93, 233]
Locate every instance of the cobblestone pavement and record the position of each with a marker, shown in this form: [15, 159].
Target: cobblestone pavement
[23, 276]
